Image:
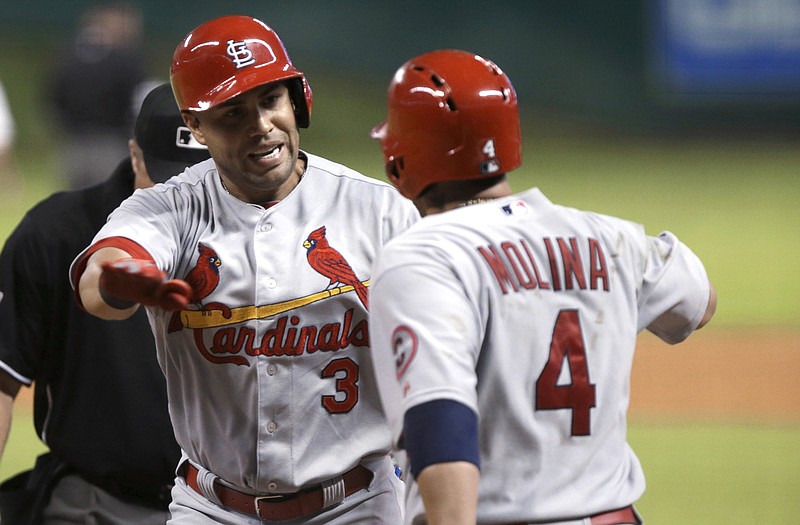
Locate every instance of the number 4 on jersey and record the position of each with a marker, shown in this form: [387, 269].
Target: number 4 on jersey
[579, 394]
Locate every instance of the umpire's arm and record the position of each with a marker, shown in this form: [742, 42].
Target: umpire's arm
[9, 387]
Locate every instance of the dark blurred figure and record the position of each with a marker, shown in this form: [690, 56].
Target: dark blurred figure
[93, 90]
[100, 400]
[9, 177]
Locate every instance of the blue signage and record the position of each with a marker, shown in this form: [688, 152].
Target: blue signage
[742, 48]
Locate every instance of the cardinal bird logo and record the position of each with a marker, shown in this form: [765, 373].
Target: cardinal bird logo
[329, 263]
[203, 279]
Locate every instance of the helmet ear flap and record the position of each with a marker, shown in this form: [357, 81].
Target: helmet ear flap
[300, 93]
[394, 167]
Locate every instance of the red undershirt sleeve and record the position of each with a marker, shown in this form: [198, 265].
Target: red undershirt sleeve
[123, 243]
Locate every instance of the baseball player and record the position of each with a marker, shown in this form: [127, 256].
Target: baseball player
[508, 321]
[100, 402]
[252, 266]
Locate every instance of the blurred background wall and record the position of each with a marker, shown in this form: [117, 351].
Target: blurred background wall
[660, 66]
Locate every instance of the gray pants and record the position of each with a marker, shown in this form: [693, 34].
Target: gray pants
[379, 504]
[75, 501]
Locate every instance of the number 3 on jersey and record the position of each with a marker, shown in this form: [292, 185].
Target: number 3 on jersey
[345, 371]
[579, 394]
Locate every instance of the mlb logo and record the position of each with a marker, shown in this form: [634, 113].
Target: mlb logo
[490, 166]
[185, 139]
[516, 208]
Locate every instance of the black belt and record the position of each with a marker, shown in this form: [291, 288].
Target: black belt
[278, 507]
[153, 496]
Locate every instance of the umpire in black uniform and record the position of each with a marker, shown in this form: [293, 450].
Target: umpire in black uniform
[100, 402]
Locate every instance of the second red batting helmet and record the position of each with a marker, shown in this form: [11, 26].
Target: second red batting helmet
[452, 115]
[227, 56]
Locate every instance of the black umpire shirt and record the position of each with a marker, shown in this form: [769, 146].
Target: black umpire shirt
[100, 401]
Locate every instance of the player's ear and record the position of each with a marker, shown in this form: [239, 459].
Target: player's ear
[137, 155]
[193, 123]
[132, 149]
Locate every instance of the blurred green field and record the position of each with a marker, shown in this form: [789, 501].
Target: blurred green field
[718, 474]
[732, 200]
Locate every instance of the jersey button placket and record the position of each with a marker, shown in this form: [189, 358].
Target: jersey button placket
[274, 375]
[266, 227]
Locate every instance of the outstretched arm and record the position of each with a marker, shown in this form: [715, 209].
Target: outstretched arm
[114, 284]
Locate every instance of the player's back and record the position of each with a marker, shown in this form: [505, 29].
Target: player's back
[552, 293]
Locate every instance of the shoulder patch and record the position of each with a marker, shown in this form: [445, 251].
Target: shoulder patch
[404, 348]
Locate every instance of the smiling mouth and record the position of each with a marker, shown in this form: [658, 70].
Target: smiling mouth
[271, 153]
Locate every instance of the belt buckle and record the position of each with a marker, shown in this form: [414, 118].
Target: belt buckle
[265, 498]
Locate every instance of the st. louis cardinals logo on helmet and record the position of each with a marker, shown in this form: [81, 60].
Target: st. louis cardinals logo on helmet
[227, 56]
[240, 54]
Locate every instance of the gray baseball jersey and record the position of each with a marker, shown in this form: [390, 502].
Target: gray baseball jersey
[269, 370]
[528, 312]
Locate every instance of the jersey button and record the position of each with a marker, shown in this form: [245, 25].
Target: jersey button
[265, 227]
[272, 427]
[272, 485]
[271, 369]
[271, 283]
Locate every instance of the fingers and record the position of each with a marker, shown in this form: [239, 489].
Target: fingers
[172, 302]
[174, 295]
[177, 286]
[140, 281]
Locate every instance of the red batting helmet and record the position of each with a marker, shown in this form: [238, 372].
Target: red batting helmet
[452, 115]
[227, 56]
